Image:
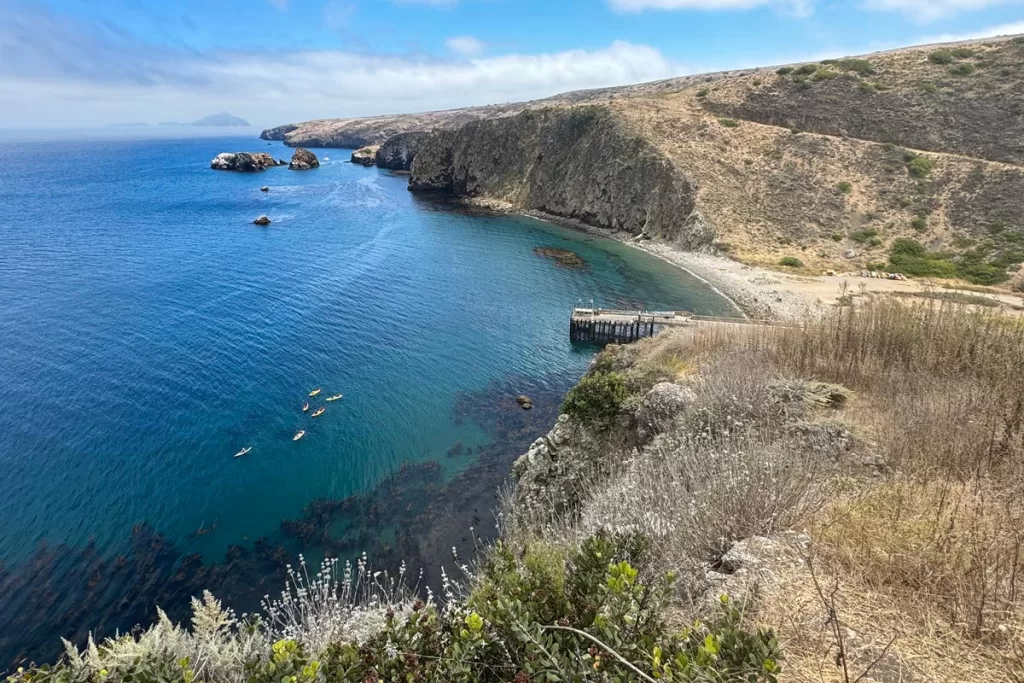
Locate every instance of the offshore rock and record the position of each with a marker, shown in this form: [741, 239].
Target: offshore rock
[525, 402]
[303, 160]
[262, 220]
[247, 162]
[398, 153]
[365, 156]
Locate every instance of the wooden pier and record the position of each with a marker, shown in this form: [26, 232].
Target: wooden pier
[600, 326]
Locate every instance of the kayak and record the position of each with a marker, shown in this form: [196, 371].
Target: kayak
[305, 407]
[334, 398]
[315, 392]
[298, 435]
[242, 452]
[319, 412]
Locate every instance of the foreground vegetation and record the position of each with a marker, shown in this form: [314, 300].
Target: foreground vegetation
[890, 438]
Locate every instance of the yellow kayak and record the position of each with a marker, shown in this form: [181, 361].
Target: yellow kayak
[315, 392]
[334, 398]
[299, 434]
[319, 412]
[305, 407]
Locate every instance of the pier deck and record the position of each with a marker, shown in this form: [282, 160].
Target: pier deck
[603, 326]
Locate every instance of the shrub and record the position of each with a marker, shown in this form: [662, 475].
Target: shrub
[785, 70]
[919, 166]
[837, 237]
[597, 398]
[941, 57]
[963, 53]
[875, 242]
[806, 69]
[919, 224]
[965, 69]
[929, 87]
[866, 86]
[825, 74]
[729, 123]
[863, 236]
[912, 258]
[860, 66]
[791, 261]
[756, 82]
[845, 187]
[703, 92]
[876, 265]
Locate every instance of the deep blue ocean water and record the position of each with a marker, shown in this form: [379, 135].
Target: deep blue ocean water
[148, 331]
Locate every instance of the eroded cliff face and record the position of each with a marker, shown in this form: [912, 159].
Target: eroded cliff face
[398, 153]
[582, 163]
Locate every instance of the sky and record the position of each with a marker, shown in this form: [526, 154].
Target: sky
[86, 63]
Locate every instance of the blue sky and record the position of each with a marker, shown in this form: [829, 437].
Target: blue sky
[80, 63]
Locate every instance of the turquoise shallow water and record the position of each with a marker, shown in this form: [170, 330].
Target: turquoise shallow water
[148, 331]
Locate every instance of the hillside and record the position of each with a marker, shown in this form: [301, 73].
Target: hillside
[827, 164]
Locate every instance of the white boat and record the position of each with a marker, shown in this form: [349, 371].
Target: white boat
[334, 398]
[315, 392]
[242, 452]
[319, 412]
[299, 434]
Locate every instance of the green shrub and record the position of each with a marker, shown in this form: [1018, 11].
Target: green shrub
[791, 261]
[875, 242]
[963, 53]
[919, 224]
[785, 70]
[866, 86]
[864, 236]
[876, 265]
[806, 69]
[703, 92]
[929, 87]
[860, 66]
[845, 187]
[941, 57]
[756, 82]
[729, 123]
[597, 398]
[965, 69]
[837, 237]
[918, 166]
[913, 258]
[824, 74]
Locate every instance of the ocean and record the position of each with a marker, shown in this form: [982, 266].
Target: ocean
[149, 331]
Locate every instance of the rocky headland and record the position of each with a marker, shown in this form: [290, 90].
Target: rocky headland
[246, 162]
[365, 156]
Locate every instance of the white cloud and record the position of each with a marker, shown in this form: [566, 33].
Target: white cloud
[798, 7]
[467, 46]
[928, 10]
[1013, 29]
[272, 87]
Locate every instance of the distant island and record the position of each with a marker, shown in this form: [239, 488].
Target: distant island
[221, 119]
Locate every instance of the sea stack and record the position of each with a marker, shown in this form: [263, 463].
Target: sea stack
[262, 220]
[303, 160]
[246, 162]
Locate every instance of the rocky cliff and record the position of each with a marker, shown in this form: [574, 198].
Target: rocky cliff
[398, 153]
[583, 163]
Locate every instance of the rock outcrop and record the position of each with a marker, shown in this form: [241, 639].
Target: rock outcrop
[248, 162]
[365, 156]
[303, 160]
[262, 220]
[399, 151]
[581, 163]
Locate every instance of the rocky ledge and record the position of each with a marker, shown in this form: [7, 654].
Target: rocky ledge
[247, 162]
[562, 257]
[303, 160]
[365, 156]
